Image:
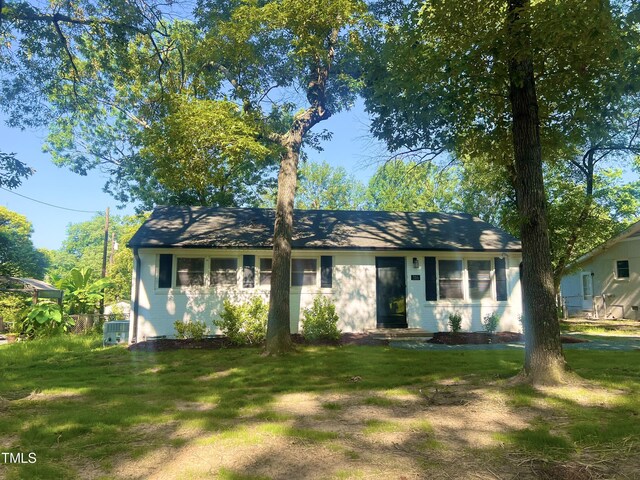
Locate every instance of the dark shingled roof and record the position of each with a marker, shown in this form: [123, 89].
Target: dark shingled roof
[205, 227]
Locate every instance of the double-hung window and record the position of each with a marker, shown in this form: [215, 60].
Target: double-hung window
[479, 279]
[224, 271]
[450, 275]
[622, 268]
[303, 271]
[190, 272]
[266, 265]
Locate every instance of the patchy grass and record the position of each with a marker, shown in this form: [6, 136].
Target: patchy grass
[601, 327]
[94, 412]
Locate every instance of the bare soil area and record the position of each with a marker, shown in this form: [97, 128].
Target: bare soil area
[454, 430]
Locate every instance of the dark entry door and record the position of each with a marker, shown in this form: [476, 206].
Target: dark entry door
[391, 292]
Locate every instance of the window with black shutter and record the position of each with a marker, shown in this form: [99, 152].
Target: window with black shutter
[450, 279]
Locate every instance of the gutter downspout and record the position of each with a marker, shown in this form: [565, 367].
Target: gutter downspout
[136, 296]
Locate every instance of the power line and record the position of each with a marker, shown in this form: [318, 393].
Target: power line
[49, 204]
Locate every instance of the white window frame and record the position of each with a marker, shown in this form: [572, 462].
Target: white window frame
[462, 279]
[316, 282]
[616, 271]
[492, 282]
[258, 274]
[466, 294]
[222, 285]
[205, 273]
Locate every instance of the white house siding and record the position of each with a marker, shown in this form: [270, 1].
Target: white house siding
[621, 295]
[353, 292]
[433, 316]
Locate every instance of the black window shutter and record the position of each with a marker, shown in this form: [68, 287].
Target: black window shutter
[326, 272]
[248, 271]
[501, 279]
[430, 280]
[165, 267]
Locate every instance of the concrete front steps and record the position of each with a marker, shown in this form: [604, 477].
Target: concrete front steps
[400, 334]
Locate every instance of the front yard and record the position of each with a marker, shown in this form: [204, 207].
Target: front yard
[324, 412]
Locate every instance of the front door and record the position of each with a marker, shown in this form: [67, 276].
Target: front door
[391, 292]
[587, 291]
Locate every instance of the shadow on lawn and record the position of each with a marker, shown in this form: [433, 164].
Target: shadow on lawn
[99, 408]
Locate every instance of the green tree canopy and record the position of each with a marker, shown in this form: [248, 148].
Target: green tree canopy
[12, 170]
[18, 256]
[323, 187]
[410, 186]
[82, 249]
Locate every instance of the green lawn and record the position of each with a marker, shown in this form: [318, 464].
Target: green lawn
[350, 412]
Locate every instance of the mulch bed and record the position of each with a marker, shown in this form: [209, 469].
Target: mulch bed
[216, 343]
[477, 338]
[442, 338]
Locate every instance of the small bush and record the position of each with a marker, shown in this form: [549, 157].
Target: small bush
[244, 323]
[455, 322]
[320, 321]
[45, 318]
[196, 330]
[13, 307]
[490, 322]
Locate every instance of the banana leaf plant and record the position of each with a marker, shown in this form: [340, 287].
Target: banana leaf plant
[82, 292]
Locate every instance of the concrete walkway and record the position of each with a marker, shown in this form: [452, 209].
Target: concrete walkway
[600, 342]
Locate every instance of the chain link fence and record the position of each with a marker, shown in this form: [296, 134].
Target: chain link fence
[94, 321]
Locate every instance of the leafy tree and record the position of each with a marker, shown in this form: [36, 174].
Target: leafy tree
[83, 249]
[115, 71]
[510, 82]
[411, 186]
[322, 187]
[18, 256]
[82, 292]
[12, 170]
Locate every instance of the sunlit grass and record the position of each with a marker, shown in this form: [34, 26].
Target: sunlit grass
[74, 402]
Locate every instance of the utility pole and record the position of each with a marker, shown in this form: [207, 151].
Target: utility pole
[104, 255]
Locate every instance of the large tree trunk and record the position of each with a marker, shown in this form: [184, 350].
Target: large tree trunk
[279, 323]
[278, 328]
[544, 360]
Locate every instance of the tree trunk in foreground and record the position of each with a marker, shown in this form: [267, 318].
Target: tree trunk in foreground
[279, 323]
[544, 360]
[278, 327]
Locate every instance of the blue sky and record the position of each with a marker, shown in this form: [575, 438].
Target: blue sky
[351, 148]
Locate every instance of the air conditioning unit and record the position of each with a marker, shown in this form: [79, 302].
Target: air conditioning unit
[115, 332]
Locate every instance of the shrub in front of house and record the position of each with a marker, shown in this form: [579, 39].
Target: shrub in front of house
[455, 322]
[195, 330]
[244, 323]
[490, 322]
[320, 321]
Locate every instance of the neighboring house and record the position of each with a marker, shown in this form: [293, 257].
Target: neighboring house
[381, 269]
[605, 283]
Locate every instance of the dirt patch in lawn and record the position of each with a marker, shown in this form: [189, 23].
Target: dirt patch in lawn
[443, 432]
[475, 338]
[216, 343]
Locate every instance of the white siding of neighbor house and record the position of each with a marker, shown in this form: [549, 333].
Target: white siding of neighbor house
[621, 293]
[353, 292]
